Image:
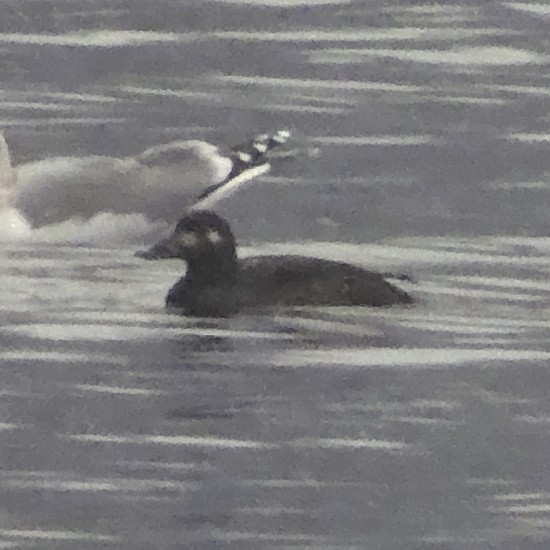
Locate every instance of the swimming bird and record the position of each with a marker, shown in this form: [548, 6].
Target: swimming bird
[218, 284]
[160, 183]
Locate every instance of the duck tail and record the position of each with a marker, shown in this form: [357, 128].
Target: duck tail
[399, 277]
[404, 297]
[7, 173]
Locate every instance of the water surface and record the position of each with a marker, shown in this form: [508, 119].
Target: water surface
[414, 427]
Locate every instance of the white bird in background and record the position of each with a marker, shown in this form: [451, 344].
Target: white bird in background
[160, 183]
[7, 173]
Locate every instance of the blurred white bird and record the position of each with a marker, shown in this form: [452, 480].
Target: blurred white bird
[161, 183]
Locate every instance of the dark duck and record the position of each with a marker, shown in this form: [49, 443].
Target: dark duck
[219, 284]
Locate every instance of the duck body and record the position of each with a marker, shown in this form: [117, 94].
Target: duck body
[218, 284]
[281, 281]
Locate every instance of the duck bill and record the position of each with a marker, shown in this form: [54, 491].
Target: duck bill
[163, 250]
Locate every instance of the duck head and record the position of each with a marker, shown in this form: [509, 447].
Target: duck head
[205, 241]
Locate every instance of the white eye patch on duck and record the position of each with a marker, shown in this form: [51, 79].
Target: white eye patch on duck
[188, 238]
[214, 236]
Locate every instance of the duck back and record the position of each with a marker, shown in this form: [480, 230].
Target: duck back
[301, 280]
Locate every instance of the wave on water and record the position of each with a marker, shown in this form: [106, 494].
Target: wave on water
[105, 229]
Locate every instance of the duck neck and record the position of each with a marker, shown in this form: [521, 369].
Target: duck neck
[213, 270]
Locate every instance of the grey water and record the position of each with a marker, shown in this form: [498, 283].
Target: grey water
[330, 428]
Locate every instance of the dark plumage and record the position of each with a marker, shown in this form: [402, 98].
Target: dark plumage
[217, 284]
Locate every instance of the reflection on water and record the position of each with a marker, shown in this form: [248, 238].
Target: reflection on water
[414, 427]
[278, 426]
